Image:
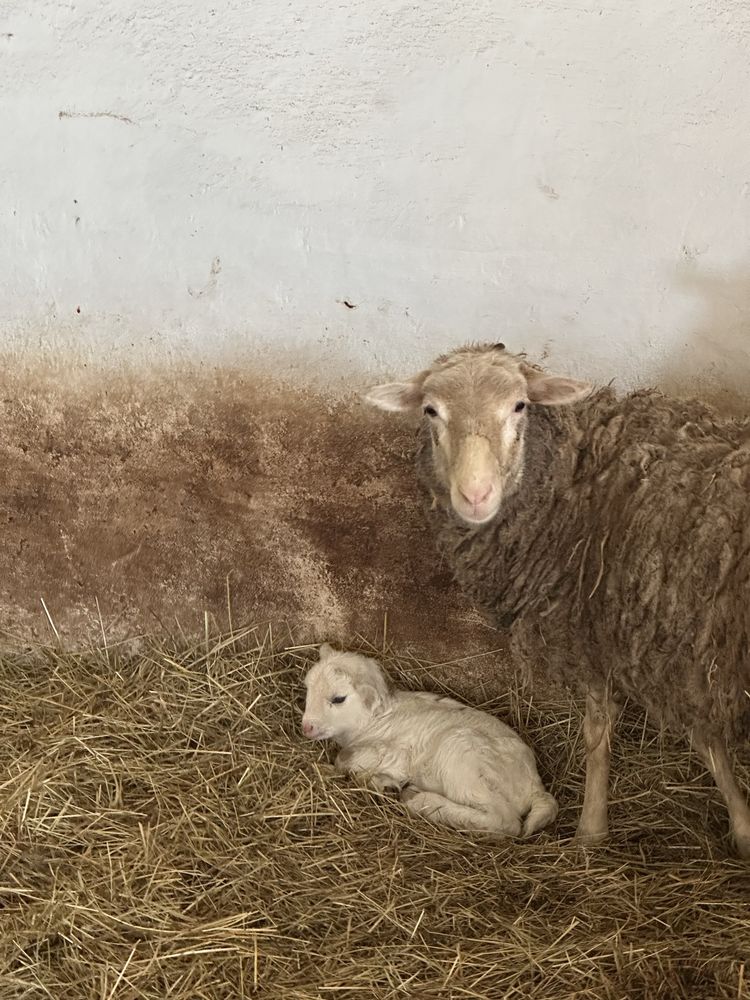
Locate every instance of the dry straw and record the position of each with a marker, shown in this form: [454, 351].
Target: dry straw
[167, 835]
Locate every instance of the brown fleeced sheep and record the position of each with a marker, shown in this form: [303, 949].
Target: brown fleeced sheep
[614, 534]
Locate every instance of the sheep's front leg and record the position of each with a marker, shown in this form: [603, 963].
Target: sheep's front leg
[716, 759]
[601, 714]
[384, 783]
[366, 763]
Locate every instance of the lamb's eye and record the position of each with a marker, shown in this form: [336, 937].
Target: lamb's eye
[339, 699]
[520, 405]
[430, 411]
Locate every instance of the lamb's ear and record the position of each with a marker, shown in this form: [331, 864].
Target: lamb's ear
[372, 698]
[396, 397]
[325, 651]
[375, 690]
[553, 390]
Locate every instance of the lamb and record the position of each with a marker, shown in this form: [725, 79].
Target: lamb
[453, 764]
[612, 535]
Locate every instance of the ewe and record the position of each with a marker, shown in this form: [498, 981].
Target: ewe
[454, 764]
[614, 534]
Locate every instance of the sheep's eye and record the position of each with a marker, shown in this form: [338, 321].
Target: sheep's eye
[339, 699]
[430, 411]
[520, 405]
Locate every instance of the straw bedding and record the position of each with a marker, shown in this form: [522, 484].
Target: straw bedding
[166, 833]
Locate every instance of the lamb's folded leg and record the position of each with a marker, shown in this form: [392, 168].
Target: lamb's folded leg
[601, 714]
[343, 762]
[443, 811]
[384, 783]
[364, 762]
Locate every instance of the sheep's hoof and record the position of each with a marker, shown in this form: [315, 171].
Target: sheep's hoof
[389, 789]
[590, 838]
[743, 847]
[383, 784]
[342, 762]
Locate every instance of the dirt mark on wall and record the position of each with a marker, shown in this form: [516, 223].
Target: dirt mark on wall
[151, 497]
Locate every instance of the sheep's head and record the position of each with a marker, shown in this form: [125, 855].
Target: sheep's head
[344, 692]
[475, 401]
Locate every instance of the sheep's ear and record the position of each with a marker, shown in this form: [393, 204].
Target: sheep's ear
[371, 698]
[396, 397]
[326, 650]
[553, 390]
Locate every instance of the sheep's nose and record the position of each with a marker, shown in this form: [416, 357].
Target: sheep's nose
[476, 495]
[307, 728]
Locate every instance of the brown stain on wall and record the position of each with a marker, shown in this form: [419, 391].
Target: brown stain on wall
[157, 495]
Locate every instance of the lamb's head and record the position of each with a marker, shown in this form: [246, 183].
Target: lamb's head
[475, 401]
[345, 691]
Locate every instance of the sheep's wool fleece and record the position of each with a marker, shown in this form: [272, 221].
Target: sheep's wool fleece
[623, 556]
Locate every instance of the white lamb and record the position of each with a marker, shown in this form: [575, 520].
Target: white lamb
[451, 763]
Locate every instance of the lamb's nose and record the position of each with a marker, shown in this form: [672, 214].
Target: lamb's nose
[476, 495]
[307, 728]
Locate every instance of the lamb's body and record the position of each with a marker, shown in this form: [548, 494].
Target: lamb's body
[613, 534]
[624, 556]
[454, 764]
[462, 767]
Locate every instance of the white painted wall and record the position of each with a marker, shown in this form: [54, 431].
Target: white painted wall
[205, 179]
